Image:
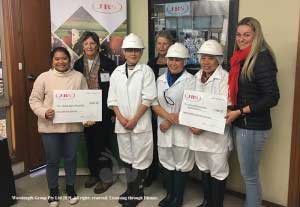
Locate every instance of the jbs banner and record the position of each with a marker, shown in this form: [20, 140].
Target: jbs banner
[108, 18]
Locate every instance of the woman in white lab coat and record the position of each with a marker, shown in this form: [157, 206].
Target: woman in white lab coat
[211, 149]
[131, 92]
[173, 139]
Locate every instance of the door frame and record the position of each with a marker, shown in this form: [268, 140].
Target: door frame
[20, 48]
[294, 178]
[15, 77]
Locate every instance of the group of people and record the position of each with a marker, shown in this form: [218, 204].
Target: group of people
[142, 102]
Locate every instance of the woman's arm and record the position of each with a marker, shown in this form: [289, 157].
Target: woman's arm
[132, 122]
[265, 72]
[36, 99]
[172, 118]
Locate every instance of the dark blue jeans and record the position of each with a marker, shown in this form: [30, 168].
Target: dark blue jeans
[59, 145]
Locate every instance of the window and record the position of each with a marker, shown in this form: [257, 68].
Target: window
[193, 22]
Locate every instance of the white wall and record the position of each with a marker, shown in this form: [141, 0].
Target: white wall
[280, 23]
[138, 22]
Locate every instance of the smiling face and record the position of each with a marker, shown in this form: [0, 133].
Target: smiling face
[209, 63]
[244, 36]
[162, 46]
[90, 48]
[175, 65]
[60, 61]
[133, 55]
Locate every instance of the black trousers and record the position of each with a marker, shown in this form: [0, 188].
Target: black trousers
[7, 186]
[100, 159]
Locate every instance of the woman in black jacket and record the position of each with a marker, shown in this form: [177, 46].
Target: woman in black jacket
[97, 68]
[253, 90]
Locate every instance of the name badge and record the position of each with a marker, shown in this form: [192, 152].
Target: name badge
[104, 77]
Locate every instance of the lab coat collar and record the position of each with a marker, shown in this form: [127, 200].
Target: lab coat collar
[216, 75]
[184, 75]
[123, 68]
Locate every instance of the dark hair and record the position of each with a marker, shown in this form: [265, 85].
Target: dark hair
[59, 49]
[88, 34]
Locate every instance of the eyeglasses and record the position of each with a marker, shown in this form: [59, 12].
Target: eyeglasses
[168, 99]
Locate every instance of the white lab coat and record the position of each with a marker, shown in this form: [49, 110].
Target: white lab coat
[209, 141]
[129, 93]
[177, 135]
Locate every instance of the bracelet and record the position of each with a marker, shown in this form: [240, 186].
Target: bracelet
[242, 112]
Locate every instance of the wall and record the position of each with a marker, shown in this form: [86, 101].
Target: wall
[280, 24]
[138, 22]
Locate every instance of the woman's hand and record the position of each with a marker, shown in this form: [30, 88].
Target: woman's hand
[195, 131]
[88, 123]
[50, 114]
[123, 121]
[232, 115]
[173, 118]
[165, 125]
[131, 124]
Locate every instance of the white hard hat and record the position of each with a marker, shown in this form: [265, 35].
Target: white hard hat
[132, 41]
[178, 50]
[211, 47]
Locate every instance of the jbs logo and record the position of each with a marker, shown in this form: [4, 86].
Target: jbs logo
[65, 95]
[179, 9]
[191, 97]
[107, 6]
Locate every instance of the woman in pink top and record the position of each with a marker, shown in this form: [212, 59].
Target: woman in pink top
[58, 139]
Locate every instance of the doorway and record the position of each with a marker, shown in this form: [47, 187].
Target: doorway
[27, 47]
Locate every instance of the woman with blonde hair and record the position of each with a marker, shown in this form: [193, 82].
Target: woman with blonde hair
[253, 91]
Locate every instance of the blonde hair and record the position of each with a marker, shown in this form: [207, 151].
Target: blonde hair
[259, 44]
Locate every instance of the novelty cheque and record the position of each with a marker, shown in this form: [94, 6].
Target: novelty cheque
[203, 111]
[77, 106]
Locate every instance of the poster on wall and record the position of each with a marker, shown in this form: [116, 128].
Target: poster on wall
[108, 18]
[69, 19]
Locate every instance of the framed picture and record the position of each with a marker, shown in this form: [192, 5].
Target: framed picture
[193, 22]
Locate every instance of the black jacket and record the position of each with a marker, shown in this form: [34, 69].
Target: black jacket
[261, 93]
[106, 65]
[155, 67]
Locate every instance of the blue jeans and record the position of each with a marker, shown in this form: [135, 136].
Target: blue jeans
[249, 144]
[59, 145]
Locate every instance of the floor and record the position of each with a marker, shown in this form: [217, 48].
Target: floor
[32, 192]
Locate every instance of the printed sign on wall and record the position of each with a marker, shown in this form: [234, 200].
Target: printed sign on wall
[108, 18]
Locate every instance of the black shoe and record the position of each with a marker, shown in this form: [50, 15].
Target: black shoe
[91, 181]
[169, 187]
[206, 185]
[204, 204]
[53, 197]
[72, 196]
[136, 191]
[217, 192]
[179, 187]
[123, 198]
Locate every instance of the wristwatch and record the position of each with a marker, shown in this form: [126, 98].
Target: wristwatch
[242, 112]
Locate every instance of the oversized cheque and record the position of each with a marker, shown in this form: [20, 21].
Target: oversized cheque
[203, 111]
[77, 106]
